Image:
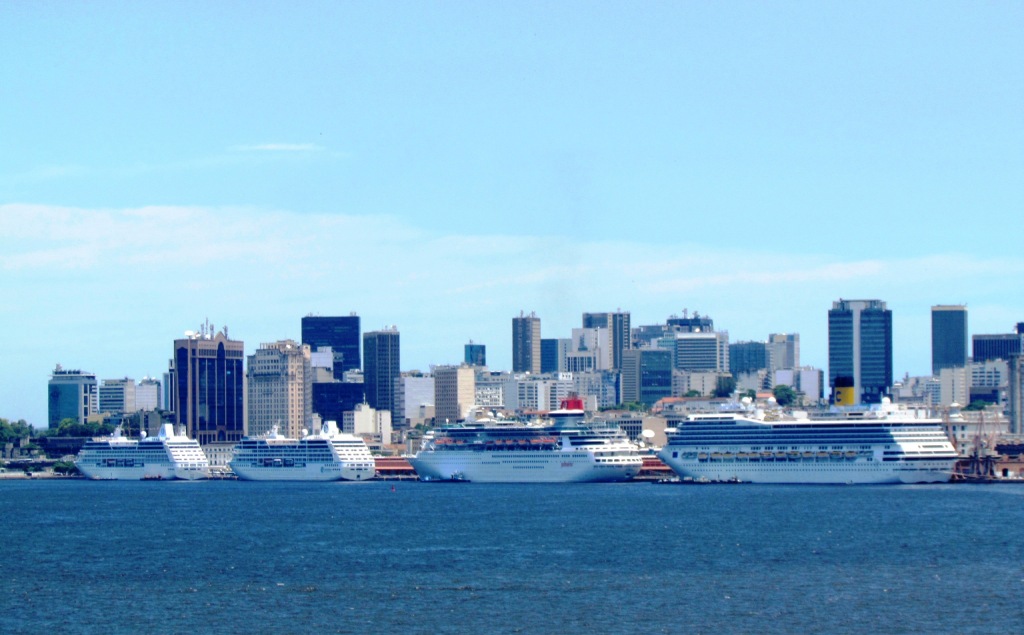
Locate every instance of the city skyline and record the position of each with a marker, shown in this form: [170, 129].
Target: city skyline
[442, 167]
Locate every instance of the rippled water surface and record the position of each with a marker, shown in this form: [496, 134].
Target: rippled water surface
[227, 557]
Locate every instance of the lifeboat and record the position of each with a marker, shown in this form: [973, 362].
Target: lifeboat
[822, 455]
[808, 455]
[728, 456]
[780, 455]
[851, 454]
[716, 455]
[703, 456]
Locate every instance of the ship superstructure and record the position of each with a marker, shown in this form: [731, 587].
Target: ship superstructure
[168, 455]
[326, 456]
[561, 449]
[883, 445]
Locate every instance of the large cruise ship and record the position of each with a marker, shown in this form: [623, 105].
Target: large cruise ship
[883, 445]
[326, 456]
[165, 456]
[485, 450]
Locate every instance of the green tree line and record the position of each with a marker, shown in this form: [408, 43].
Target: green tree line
[11, 430]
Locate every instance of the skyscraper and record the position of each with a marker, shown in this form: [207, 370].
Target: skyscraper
[208, 385]
[949, 337]
[783, 351]
[526, 344]
[381, 365]
[280, 389]
[646, 375]
[860, 350]
[748, 357]
[619, 332]
[454, 392]
[476, 354]
[71, 394]
[340, 333]
[117, 396]
[996, 346]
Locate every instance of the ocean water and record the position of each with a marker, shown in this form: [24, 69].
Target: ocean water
[242, 557]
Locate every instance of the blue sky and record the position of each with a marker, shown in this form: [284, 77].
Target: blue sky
[442, 166]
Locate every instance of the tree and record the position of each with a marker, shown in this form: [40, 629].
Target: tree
[693, 393]
[12, 430]
[977, 404]
[784, 395]
[725, 386]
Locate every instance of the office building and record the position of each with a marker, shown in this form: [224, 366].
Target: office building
[619, 333]
[698, 351]
[332, 400]
[208, 385]
[72, 394]
[594, 342]
[553, 354]
[949, 337]
[413, 392]
[808, 382]
[601, 386]
[340, 334]
[148, 395]
[526, 344]
[476, 354]
[280, 389]
[783, 351]
[996, 346]
[859, 351]
[381, 365]
[454, 392]
[690, 324]
[373, 425]
[117, 396]
[646, 375]
[748, 357]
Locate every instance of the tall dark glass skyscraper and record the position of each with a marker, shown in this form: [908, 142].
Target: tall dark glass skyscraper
[476, 354]
[949, 337]
[381, 366]
[208, 386]
[341, 333]
[860, 348]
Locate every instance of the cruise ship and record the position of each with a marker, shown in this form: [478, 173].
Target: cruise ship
[564, 450]
[883, 445]
[165, 456]
[326, 456]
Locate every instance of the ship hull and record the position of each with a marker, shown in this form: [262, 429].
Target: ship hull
[855, 472]
[520, 467]
[159, 472]
[321, 472]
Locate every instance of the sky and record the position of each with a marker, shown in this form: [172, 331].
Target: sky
[443, 166]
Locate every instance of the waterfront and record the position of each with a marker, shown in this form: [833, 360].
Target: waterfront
[102, 557]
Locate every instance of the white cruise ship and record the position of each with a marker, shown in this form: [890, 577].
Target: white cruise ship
[165, 456]
[326, 456]
[487, 451]
[882, 445]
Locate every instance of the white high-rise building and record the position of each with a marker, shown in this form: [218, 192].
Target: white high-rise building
[117, 396]
[412, 393]
[454, 392]
[147, 395]
[783, 351]
[279, 384]
[700, 351]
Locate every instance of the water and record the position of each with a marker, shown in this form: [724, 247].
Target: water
[226, 557]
